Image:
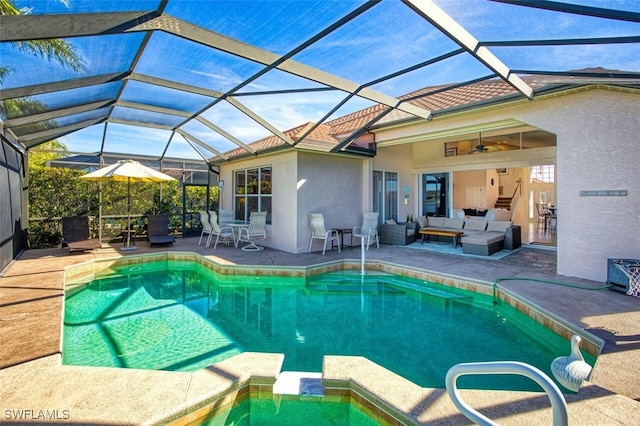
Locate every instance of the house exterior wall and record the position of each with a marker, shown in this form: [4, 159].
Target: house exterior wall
[399, 159]
[303, 183]
[333, 185]
[597, 136]
[281, 232]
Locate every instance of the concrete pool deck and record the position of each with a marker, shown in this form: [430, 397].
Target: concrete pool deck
[31, 302]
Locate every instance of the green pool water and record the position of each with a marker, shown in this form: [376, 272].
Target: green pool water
[290, 412]
[181, 316]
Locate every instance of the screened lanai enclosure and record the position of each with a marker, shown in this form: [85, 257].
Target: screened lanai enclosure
[188, 86]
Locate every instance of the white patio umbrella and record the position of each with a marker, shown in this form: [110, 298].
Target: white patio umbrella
[127, 171]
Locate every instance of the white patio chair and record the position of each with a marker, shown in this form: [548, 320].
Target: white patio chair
[318, 232]
[256, 229]
[368, 230]
[225, 232]
[206, 227]
[225, 216]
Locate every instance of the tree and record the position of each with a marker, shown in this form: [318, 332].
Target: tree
[53, 192]
[50, 50]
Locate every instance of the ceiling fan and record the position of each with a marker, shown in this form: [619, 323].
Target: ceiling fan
[479, 148]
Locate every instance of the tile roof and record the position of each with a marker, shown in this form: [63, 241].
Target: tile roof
[437, 99]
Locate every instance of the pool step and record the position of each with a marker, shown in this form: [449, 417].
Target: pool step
[428, 290]
[351, 288]
[299, 383]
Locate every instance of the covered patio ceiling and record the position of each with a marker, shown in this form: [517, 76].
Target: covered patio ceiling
[173, 80]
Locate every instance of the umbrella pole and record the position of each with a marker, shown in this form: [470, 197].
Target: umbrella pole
[100, 212]
[128, 246]
[128, 212]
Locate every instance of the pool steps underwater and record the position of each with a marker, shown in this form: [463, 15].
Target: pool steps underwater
[371, 285]
[299, 383]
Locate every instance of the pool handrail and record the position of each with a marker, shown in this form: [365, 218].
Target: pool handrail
[558, 403]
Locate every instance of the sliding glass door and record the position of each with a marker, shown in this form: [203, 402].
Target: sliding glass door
[385, 195]
[435, 194]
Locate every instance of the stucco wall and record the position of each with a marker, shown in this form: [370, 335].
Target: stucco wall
[597, 138]
[399, 159]
[306, 182]
[332, 185]
[281, 233]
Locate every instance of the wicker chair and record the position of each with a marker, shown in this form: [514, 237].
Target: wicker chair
[398, 233]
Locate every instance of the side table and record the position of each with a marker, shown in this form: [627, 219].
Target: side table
[341, 233]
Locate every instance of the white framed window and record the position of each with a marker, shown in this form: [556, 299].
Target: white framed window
[543, 174]
[252, 192]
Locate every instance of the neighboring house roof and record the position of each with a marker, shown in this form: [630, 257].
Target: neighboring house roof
[438, 99]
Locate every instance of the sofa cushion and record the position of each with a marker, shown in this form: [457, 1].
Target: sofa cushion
[482, 238]
[435, 221]
[390, 222]
[478, 225]
[423, 222]
[453, 223]
[458, 214]
[499, 225]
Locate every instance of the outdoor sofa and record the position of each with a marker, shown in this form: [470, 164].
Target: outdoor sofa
[482, 237]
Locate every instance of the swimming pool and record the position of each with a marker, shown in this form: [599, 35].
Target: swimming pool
[182, 316]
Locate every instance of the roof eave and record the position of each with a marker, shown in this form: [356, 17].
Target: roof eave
[510, 98]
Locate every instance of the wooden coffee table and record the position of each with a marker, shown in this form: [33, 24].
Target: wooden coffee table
[443, 233]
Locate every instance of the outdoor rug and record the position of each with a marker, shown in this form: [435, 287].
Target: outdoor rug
[447, 248]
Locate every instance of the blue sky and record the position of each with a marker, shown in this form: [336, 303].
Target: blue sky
[384, 39]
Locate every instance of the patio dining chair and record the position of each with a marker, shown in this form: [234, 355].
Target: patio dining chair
[226, 232]
[206, 227]
[225, 216]
[319, 232]
[369, 229]
[255, 230]
[543, 216]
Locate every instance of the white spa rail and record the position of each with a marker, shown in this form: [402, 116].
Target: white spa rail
[558, 404]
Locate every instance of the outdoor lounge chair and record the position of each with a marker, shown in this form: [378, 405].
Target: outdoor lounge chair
[256, 229]
[158, 230]
[319, 232]
[368, 230]
[75, 234]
